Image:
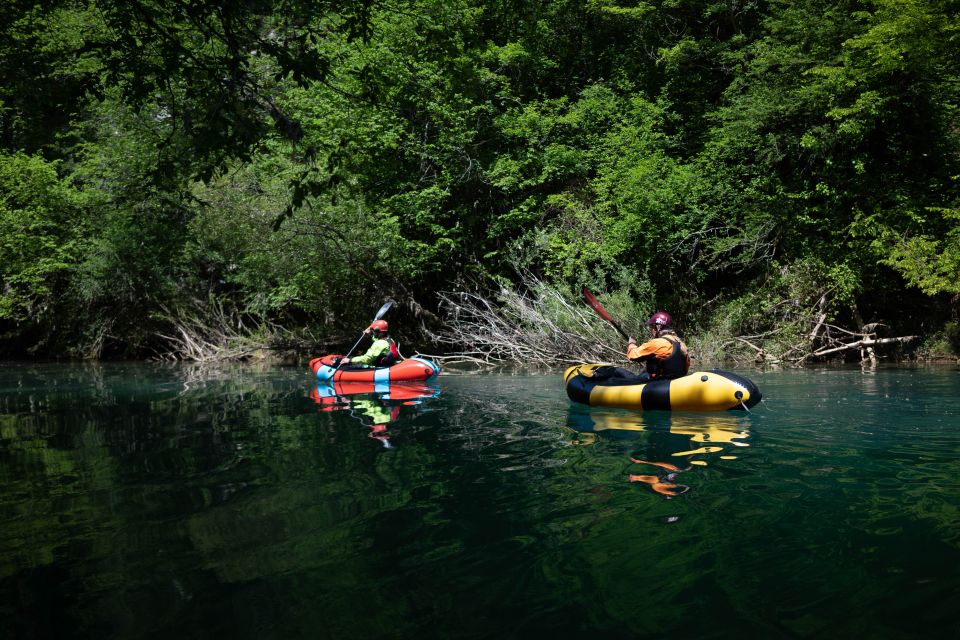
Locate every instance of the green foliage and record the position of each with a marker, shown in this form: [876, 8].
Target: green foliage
[952, 332]
[775, 309]
[214, 67]
[46, 72]
[930, 263]
[332, 257]
[40, 238]
[728, 162]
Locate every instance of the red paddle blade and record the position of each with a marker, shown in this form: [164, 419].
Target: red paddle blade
[591, 300]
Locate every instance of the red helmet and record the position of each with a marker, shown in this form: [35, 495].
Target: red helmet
[660, 319]
[380, 326]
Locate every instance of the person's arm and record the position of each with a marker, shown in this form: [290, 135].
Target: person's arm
[375, 351]
[345, 360]
[642, 352]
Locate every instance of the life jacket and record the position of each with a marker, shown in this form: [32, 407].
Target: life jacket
[674, 365]
[389, 358]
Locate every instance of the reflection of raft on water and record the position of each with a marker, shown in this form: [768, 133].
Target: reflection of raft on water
[715, 429]
[374, 404]
[411, 369]
[670, 444]
[609, 386]
[406, 392]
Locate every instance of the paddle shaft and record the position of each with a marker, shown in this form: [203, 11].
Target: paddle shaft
[350, 353]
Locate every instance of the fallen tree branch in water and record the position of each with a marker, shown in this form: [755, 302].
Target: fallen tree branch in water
[827, 342]
[865, 342]
[206, 332]
[806, 333]
[761, 354]
[539, 326]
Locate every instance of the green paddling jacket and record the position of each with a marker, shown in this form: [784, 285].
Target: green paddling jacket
[382, 353]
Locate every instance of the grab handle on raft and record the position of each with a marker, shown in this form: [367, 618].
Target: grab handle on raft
[739, 396]
[380, 314]
[591, 300]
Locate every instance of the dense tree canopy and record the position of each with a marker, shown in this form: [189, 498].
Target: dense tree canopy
[282, 165]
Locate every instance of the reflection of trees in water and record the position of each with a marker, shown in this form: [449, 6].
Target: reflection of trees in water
[141, 480]
[626, 552]
[508, 430]
[237, 501]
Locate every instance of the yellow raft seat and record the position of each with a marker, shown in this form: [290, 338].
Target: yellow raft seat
[609, 386]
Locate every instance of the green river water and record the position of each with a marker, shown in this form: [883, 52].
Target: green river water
[146, 501]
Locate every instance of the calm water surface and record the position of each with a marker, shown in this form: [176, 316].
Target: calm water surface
[141, 501]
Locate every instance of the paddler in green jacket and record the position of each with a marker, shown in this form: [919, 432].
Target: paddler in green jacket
[383, 351]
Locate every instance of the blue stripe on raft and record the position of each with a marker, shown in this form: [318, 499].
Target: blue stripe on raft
[325, 373]
[325, 391]
[381, 380]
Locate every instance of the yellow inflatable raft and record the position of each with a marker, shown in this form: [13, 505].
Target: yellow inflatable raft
[609, 386]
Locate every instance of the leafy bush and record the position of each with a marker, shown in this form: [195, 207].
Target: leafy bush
[952, 332]
[39, 237]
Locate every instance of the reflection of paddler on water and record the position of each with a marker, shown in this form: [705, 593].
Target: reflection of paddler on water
[379, 414]
[674, 442]
[375, 405]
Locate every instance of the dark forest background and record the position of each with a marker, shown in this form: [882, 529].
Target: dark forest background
[176, 175]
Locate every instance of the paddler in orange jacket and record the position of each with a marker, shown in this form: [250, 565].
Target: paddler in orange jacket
[665, 355]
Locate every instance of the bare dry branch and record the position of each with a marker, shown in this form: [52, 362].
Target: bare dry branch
[206, 332]
[538, 326]
[866, 342]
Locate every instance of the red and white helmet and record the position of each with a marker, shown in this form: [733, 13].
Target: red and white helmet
[379, 326]
[659, 320]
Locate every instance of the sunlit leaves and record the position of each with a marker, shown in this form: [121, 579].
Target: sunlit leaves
[282, 153]
[930, 263]
[40, 237]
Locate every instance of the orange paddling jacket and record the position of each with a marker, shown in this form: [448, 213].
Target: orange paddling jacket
[666, 357]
